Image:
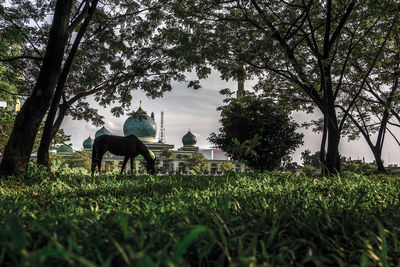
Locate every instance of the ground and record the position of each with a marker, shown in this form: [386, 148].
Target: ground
[273, 218]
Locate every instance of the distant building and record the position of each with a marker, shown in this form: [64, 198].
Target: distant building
[144, 127]
[214, 154]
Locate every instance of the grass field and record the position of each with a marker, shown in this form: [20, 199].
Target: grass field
[238, 220]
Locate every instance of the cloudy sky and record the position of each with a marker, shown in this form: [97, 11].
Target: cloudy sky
[195, 110]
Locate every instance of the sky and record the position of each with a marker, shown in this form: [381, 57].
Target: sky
[195, 110]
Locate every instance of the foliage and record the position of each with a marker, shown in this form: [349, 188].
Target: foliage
[81, 159]
[289, 165]
[311, 164]
[7, 119]
[197, 163]
[10, 81]
[120, 51]
[110, 166]
[107, 49]
[68, 165]
[142, 168]
[168, 154]
[256, 131]
[308, 170]
[359, 167]
[114, 220]
[58, 163]
[246, 149]
[311, 159]
[303, 53]
[227, 166]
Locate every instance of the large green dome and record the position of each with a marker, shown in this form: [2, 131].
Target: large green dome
[141, 125]
[64, 149]
[102, 131]
[189, 139]
[88, 143]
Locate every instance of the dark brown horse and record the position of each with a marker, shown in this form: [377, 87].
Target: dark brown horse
[129, 146]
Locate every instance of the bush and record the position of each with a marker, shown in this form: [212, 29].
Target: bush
[256, 131]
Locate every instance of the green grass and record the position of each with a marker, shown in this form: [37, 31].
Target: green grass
[240, 220]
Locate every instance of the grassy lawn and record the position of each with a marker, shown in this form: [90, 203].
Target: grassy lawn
[245, 220]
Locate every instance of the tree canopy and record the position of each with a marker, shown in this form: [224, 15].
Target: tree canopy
[197, 163]
[257, 131]
[102, 48]
[302, 52]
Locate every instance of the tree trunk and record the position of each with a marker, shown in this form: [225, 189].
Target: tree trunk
[51, 127]
[331, 164]
[43, 156]
[377, 149]
[48, 134]
[378, 160]
[19, 147]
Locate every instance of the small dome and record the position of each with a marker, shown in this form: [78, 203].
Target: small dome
[102, 131]
[64, 149]
[88, 143]
[189, 139]
[141, 125]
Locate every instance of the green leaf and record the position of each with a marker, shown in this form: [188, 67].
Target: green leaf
[189, 239]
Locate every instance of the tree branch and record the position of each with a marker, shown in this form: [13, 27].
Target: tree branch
[10, 59]
[340, 26]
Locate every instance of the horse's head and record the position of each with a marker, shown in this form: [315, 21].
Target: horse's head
[151, 163]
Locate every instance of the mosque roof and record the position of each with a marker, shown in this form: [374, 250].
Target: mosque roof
[88, 143]
[140, 124]
[102, 131]
[189, 139]
[64, 149]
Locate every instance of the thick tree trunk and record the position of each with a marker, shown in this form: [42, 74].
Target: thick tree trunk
[378, 160]
[43, 156]
[331, 134]
[19, 147]
[48, 134]
[331, 164]
[332, 157]
[377, 149]
[51, 127]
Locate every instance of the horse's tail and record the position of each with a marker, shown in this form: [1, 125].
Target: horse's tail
[94, 152]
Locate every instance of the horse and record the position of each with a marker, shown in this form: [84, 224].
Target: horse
[128, 146]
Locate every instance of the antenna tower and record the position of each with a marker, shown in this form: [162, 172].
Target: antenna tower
[162, 129]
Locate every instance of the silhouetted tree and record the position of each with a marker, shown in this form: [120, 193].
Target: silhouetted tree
[311, 159]
[256, 131]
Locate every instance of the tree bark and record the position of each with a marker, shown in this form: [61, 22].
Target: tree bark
[51, 127]
[332, 157]
[43, 156]
[377, 149]
[19, 147]
[378, 160]
[331, 163]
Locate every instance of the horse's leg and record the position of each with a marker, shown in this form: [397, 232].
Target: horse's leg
[124, 164]
[93, 168]
[94, 159]
[99, 159]
[132, 158]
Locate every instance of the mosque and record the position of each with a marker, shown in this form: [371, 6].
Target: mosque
[142, 125]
